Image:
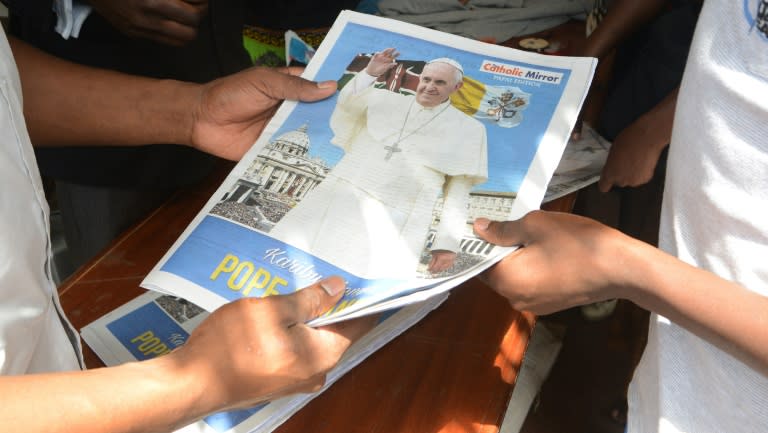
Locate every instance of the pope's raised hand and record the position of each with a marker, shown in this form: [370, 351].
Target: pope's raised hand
[382, 62]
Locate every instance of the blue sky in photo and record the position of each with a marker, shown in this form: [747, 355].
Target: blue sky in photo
[510, 150]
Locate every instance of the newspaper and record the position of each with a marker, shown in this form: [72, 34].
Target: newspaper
[153, 324]
[581, 164]
[381, 182]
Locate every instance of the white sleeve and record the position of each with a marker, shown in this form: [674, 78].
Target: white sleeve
[361, 81]
[70, 16]
[453, 219]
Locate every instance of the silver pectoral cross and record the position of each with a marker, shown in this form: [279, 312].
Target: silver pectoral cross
[392, 150]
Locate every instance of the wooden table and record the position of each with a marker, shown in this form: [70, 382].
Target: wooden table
[452, 372]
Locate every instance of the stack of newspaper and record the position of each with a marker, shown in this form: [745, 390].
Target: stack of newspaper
[379, 184]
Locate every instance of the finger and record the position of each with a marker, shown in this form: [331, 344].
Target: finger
[310, 302]
[181, 12]
[505, 234]
[353, 329]
[325, 345]
[292, 70]
[166, 31]
[576, 133]
[177, 39]
[283, 86]
[432, 263]
[604, 184]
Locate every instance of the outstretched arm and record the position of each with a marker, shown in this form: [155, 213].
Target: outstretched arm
[566, 260]
[246, 352]
[72, 105]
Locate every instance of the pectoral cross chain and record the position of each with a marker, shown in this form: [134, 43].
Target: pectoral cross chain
[392, 150]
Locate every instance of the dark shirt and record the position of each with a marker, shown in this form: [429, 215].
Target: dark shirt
[217, 51]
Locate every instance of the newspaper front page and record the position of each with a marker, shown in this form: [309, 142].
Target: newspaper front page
[381, 182]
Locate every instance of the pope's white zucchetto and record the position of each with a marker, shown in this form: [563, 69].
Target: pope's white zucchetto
[449, 61]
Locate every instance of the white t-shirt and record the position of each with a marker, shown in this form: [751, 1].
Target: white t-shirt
[715, 216]
[33, 337]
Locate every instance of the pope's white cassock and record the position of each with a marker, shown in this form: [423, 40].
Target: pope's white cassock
[371, 215]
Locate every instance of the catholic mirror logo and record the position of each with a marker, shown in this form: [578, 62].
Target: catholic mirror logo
[521, 73]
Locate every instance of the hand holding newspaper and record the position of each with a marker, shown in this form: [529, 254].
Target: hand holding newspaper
[380, 183]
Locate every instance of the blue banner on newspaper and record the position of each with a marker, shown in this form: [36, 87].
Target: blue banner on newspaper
[148, 332]
[234, 262]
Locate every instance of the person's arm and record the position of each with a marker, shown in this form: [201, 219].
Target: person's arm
[635, 152]
[566, 260]
[66, 104]
[172, 22]
[246, 352]
[623, 19]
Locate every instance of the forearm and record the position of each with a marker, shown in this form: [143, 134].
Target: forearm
[658, 121]
[623, 18]
[66, 104]
[151, 396]
[719, 311]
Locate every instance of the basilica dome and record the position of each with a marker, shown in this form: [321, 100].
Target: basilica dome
[294, 142]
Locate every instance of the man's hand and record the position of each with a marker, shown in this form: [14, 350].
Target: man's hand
[232, 111]
[253, 350]
[382, 62]
[441, 260]
[633, 156]
[636, 150]
[171, 22]
[564, 260]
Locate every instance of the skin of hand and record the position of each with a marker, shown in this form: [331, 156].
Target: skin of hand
[170, 22]
[441, 260]
[255, 350]
[636, 150]
[566, 260]
[246, 352]
[66, 104]
[632, 158]
[382, 62]
[233, 111]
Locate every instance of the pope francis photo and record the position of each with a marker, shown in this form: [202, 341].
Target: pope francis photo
[371, 215]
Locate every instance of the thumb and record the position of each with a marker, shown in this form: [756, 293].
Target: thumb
[604, 184]
[505, 234]
[294, 88]
[312, 301]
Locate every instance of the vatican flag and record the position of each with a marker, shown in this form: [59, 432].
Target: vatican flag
[501, 105]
